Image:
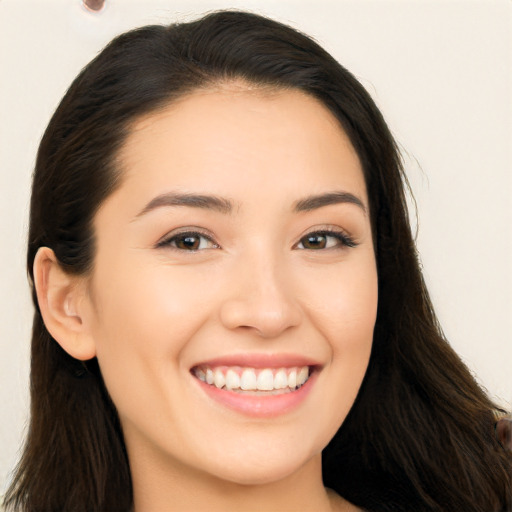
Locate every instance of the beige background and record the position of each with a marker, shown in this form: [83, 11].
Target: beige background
[441, 71]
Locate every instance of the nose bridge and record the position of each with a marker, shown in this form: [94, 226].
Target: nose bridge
[262, 298]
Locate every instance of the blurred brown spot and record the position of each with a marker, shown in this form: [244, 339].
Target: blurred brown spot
[504, 433]
[94, 5]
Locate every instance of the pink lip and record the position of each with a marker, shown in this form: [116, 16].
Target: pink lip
[260, 361]
[260, 406]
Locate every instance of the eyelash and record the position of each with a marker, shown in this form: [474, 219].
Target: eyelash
[343, 239]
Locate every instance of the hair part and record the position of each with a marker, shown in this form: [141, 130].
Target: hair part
[420, 435]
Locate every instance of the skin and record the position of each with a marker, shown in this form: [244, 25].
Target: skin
[151, 312]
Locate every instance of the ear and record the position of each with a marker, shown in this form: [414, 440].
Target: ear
[62, 302]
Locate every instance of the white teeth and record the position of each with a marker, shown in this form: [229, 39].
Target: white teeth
[251, 379]
[265, 380]
[248, 380]
[292, 379]
[232, 380]
[302, 376]
[218, 379]
[280, 380]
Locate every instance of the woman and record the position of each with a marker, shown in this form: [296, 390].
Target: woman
[229, 306]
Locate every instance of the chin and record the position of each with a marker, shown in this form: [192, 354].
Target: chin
[265, 469]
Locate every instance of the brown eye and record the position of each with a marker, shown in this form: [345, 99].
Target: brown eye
[325, 240]
[188, 242]
[315, 241]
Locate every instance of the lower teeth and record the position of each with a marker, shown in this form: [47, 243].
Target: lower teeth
[262, 393]
[259, 392]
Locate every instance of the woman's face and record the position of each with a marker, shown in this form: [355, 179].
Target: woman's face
[236, 253]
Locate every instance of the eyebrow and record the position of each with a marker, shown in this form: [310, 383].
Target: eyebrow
[318, 201]
[222, 205]
[207, 202]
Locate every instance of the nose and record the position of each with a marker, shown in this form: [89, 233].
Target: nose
[262, 301]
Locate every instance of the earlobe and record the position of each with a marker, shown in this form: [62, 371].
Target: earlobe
[61, 299]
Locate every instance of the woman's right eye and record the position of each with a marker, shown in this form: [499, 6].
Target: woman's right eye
[189, 241]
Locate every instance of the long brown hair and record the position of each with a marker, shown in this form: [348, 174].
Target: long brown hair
[420, 436]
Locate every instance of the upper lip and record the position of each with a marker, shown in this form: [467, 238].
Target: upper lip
[260, 361]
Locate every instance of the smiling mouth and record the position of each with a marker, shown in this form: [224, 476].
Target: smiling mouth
[254, 381]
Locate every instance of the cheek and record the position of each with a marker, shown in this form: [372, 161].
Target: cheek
[343, 304]
[344, 311]
[144, 304]
[144, 317]
[353, 330]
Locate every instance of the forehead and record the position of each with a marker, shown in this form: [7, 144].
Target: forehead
[237, 136]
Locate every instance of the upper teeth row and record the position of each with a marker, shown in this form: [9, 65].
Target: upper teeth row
[266, 379]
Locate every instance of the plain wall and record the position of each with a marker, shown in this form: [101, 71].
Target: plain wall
[439, 70]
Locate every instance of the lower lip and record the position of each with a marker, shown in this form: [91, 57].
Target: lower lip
[259, 406]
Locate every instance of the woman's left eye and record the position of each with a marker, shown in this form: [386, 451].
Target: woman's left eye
[189, 241]
[325, 240]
